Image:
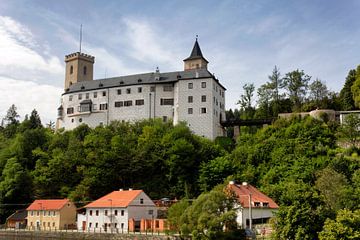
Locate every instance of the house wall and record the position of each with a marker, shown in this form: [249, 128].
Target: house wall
[47, 219]
[257, 213]
[67, 216]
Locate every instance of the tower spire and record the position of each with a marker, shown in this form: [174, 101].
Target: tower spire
[196, 59]
[80, 37]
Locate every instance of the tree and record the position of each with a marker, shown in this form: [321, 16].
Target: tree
[175, 214]
[34, 119]
[246, 100]
[12, 115]
[264, 101]
[355, 88]
[345, 226]
[350, 128]
[318, 92]
[296, 83]
[346, 96]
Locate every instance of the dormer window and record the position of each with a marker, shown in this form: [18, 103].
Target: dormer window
[71, 69]
[257, 204]
[85, 70]
[141, 201]
[265, 204]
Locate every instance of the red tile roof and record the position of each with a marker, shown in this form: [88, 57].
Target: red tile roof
[48, 204]
[243, 193]
[115, 199]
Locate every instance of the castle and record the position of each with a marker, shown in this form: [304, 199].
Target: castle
[194, 95]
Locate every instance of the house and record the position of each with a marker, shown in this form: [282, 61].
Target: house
[192, 95]
[253, 205]
[51, 214]
[117, 211]
[17, 220]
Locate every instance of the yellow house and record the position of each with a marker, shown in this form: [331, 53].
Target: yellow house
[51, 214]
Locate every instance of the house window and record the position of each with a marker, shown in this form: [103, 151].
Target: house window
[119, 91]
[157, 224]
[190, 111]
[97, 212]
[203, 98]
[190, 99]
[257, 204]
[203, 84]
[265, 204]
[71, 69]
[95, 94]
[141, 201]
[152, 89]
[96, 225]
[103, 106]
[48, 224]
[128, 90]
[167, 101]
[139, 102]
[106, 212]
[70, 98]
[90, 224]
[122, 212]
[119, 104]
[122, 225]
[139, 89]
[32, 213]
[87, 96]
[168, 88]
[54, 213]
[128, 103]
[80, 96]
[84, 70]
[49, 213]
[164, 118]
[72, 120]
[115, 212]
[90, 213]
[151, 212]
[94, 107]
[85, 107]
[203, 110]
[115, 225]
[70, 110]
[104, 93]
[53, 224]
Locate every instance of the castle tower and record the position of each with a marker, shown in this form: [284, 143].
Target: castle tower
[196, 59]
[79, 67]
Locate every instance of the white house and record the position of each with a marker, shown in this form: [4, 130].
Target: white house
[112, 212]
[193, 95]
[253, 205]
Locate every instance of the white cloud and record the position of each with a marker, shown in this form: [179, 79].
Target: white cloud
[27, 95]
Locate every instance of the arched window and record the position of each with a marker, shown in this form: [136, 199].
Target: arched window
[71, 69]
[85, 70]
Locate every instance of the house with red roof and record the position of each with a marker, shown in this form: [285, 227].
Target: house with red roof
[117, 211]
[51, 214]
[254, 207]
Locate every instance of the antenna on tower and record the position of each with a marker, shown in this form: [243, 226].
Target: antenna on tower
[197, 36]
[80, 36]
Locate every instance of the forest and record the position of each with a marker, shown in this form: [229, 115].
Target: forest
[310, 167]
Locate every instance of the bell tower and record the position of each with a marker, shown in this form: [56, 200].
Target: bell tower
[196, 59]
[79, 67]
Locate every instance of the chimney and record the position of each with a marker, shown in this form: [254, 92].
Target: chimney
[121, 189]
[244, 183]
[130, 189]
[232, 182]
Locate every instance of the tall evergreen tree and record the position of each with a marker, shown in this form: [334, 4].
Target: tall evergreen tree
[346, 96]
[355, 88]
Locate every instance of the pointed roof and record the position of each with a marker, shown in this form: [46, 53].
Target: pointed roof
[115, 199]
[48, 204]
[196, 52]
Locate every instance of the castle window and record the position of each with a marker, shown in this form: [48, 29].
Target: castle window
[70, 110]
[152, 89]
[80, 96]
[119, 91]
[95, 94]
[104, 93]
[164, 118]
[203, 110]
[87, 95]
[94, 107]
[139, 102]
[139, 89]
[71, 69]
[106, 212]
[72, 120]
[167, 101]
[119, 104]
[128, 90]
[190, 99]
[203, 85]
[128, 103]
[80, 119]
[203, 98]
[168, 88]
[190, 111]
[85, 70]
[190, 86]
[115, 212]
[103, 106]
[70, 98]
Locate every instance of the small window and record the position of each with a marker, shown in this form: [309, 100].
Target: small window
[87, 95]
[203, 110]
[190, 86]
[94, 107]
[151, 212]
[203, 85]
[96, 225]
[115, 212]
[70, 110]
[203, 98]
[139, 102]
[37, 213]
[139, 89]
[190, 111]
[80, 96]
[53, 224]
[128, 103]
[72, 120]
[164, 118]
[152, 89]
[119, 91]
[119, 104]
[216, 88]
[190, 99]
[90, 213]
[97, 212]
[48, 224]
[122, 212]
[32, 213]
[71, 69]
[103, 106]
[115, 225]
[95, 94]
[157, 224]
[70, 98]
[106, 212]
[122, 225]
[141, 201]
[168, 88]
[85, 70]
[80, 119]
[104, 93]
[167, 101]
[265, 204]
[257, 204]
[128, 90]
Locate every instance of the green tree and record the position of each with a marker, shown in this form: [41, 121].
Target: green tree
[175, 215]
[350, 129]
[346, 95]
[246, 100]
[355, 88]
[345, 226]
[318, 93]
[11, 121]
[296, 83]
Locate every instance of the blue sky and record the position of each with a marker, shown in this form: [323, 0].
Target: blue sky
[242, 39]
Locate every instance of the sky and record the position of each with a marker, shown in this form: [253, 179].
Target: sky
[242, 40]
